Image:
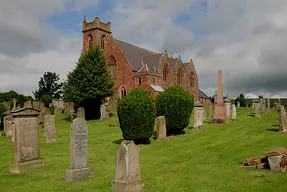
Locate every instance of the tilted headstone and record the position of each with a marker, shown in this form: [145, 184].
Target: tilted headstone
[227, 110]
[160, 127]
[198, 115]
[128, 175]
[26, 146]
[233, 111]
[79, 169]
[257, 108]
[103, 111]
[81, 112]
[50, 129]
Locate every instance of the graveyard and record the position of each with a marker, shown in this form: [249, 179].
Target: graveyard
[208, 159]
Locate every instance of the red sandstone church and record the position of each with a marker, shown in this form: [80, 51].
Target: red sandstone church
[132, 66]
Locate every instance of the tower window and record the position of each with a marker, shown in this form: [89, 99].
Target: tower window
[90, 40]
[123, 92]
[140, 81]
[112, 67]
[103, 41]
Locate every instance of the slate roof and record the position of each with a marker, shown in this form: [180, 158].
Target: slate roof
[135, 54]
[202, 95]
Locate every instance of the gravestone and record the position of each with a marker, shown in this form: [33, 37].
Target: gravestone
[257, 108]
[50, 129]
[14, 103]
[261, 107]
[128, 176]
[8, 125]
[29, 104]
[26, 146]
[227, 110]
[268, 104]
[36, 105]
[238, 104]
[233, 111]
[219, 111]
[253, 104]
[282, 118]
[160, 127]
[198, 116]
[81, 113]
[79, 169]
[103, 112]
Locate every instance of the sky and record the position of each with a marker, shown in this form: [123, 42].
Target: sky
[246, 39]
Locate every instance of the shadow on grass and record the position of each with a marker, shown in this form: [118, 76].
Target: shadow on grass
[272, 130]
[251, 115]
[275, 125]
[137, 142]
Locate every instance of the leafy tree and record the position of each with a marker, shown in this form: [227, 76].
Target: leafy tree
[89, 82]
[176, 105]
[136, 113]
[46, 99]
[9, 96]
[241, 99]
[49, 84]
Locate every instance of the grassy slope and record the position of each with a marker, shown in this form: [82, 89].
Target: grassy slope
[202, 160]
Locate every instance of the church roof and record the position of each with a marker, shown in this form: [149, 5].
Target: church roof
[202, 95]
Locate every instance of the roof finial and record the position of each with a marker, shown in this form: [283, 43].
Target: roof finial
[85, 19]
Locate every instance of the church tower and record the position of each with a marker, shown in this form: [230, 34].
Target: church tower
[95, 33]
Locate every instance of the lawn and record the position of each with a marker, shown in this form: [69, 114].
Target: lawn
[205, 160]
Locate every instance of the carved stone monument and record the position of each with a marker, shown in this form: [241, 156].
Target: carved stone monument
[219, 111]
[198, 116]
[50, 129]
[79, 169]
[26, 146]
[128, 176]
[227, 110]
[81, 113]
[233, 112]
[160, 127]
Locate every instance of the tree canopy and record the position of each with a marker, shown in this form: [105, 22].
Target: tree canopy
[89, 79]
[49, 84]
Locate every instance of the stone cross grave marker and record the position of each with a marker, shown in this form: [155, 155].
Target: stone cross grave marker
[128, 176]
[50, 129]
[79, 169]
[160, 127]
[26, 146]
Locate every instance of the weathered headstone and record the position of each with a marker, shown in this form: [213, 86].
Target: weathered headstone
[282, 118]
[253, 104]
[268, 104]
[50, 129]
[160, 127]
[14, 103]
[36, 105]
[233, 111]
[26, 147]
[128, 176]
[219, 111]
[79, 169]
[29, 104]
[8, 125]
[198, 115]
[238, 104]
[257, 108]
[227, 110]
[103, 111]
[81, 113]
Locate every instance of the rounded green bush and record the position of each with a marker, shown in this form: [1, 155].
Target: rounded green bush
[46, 99]
[176, 105]
[136, 113]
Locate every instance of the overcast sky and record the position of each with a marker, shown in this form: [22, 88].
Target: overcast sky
[247, 39]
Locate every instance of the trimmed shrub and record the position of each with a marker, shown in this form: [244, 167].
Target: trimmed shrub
[176, 105]
[46, 99]
[136, 113]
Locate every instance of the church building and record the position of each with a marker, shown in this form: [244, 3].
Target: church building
[132, 66]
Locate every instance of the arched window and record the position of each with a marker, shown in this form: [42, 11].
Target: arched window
[165, 73]
[140, 81]
[179, 77]
[90, 40]
[191, 80]
[123, 92]
[112, 67]
[103, 41]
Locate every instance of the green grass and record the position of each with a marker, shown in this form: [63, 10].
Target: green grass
[203, 160]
